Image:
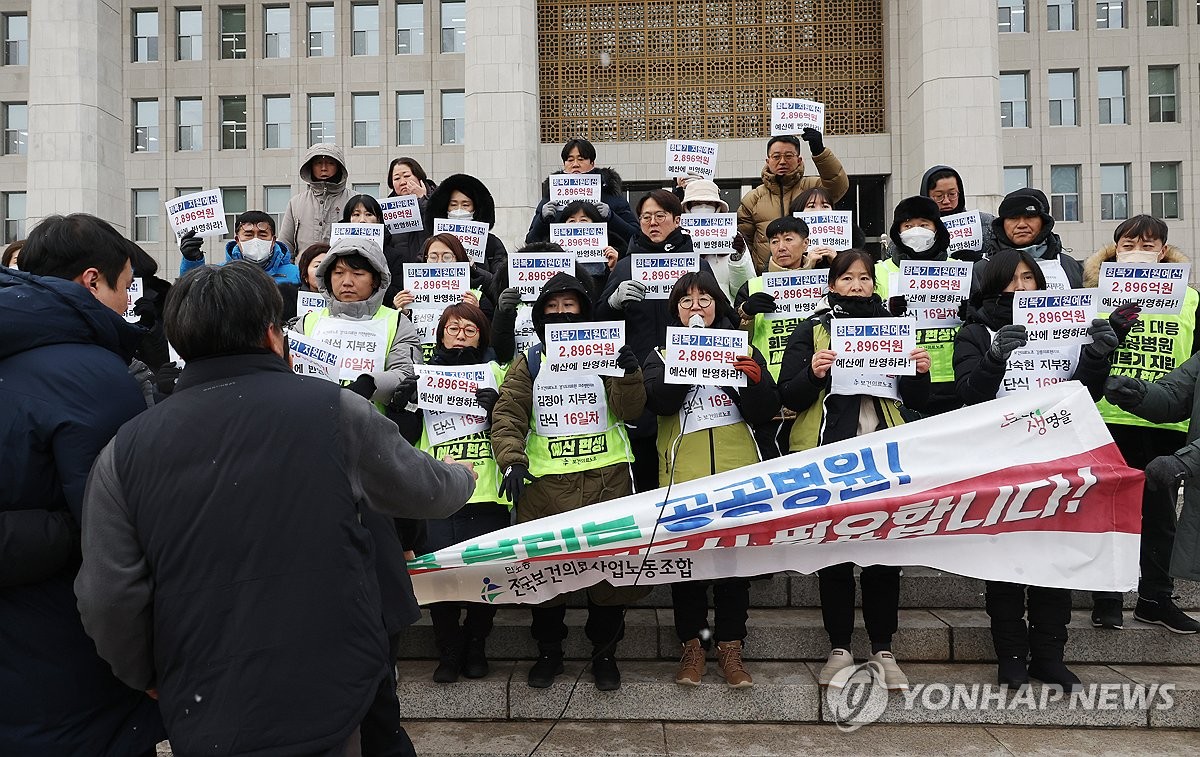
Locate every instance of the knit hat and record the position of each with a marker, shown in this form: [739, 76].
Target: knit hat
[1026, 202]
[703, 191]
[919, 207]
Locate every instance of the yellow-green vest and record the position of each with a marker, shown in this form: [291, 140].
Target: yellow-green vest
[1155, 346]
[310, 324]
[702, 453]
[770, 335]
[937, 341]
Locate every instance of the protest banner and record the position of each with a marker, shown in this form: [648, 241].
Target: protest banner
[202, 211]
[309, 302]
[586, 240]
[933, 283]
[362, 345]
[829, 228]
[312, 357]
[873, 345]
[401, 214]
[568, 187]
[1062, 317]
[472, 234]
[710, 233]
[438, 284]
[528, 271]
[1158, 287]
[132, 295]
[791, 115]
[660, 272]
[585, 347]
[1027, 489]
[966, 231]
[704, 356]
[796, 292]
[687, 158]
[1038, 367]
[451, 388]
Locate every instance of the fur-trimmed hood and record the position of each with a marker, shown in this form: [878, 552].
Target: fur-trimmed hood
[610, 182]
[439, 201]
[1108, 254]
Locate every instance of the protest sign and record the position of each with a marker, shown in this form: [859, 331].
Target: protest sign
[933, 283]
[437, 283]
[686, 158]
[585, 347]
[308, 302]
[660, 272]
[710, 233]
[132, 295]
[362, 345]
[829, 228]
[704, 356]
[425, 321]
[569, 405]
[1037, 368]
[796, 292]
[852, 383]
[567, 187]
[528, 271]
[586, 240]
[874, 345]
[312, 357]
[966, 231]
[202, 211]
[708, 407]
[401, 214]
[1061, 317]
[451, 388]
[446, 427]
[372, 231]
[1158, 287]
[523, 331]
[472, 234]
[791, 115]
[1056, 275]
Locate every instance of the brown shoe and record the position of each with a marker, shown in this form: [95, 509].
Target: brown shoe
[729, 657]
[692, 664]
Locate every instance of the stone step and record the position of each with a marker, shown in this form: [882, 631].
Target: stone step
[939, 635]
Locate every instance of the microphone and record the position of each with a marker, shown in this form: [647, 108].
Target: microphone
[696, 321]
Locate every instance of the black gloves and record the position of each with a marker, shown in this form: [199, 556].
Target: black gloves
[1008, 340]
[487, 398]
[1104, 338]
[626, 360]
[739, 245]
[189, 246]
[1124, 392]
[897, 305]
[1123, 317]
[404, 393]
[1165, 472]
[514, 480]
[509, 299]
[758, 303]
[813, 138]
[363, 386]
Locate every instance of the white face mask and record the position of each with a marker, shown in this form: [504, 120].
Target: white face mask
[918, 239]
[256, 250]
[1137, 256]
[460, 215]
[703, 210]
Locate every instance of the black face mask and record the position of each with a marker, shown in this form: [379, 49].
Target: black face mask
[458, 355]
[854, 307]
[997, 310]
[556, 318]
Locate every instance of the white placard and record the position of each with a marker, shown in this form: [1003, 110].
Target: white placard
[791, 115]
[966, 231]
[472, 234]
[1037, 368]
[874, 345]
[401, 214]
[446, 427]
[687, 158]
[566, 405]
[132, 295]
[710, 232]
[313, 357]
[425, 321]
[437, 283]
[829, 228]
[523, 331]
[586, 240]
[202, 211]
[659, 272]
[1158, 287]
[529, 271]
[451, 388]
[372, 231]
[362, 345]
[936, 317]
[310, 302]
[567, 187]
[851, 383]
[589, 348]
[796, 292]
[708, 407]
[1061, 317]
[704, 356]
[1056, 275]
[933, 283]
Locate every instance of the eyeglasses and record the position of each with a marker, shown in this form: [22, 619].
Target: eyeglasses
[660, 216]
[442, 257]
[775, 157]
[687, 303]
[468, 331]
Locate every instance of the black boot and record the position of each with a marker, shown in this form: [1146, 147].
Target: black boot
[604, 669]
[475, 662]
[1054, 672]
[1012, 672]
[1049, 613]
[449, 664]
[549, 664]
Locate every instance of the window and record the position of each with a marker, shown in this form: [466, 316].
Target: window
[234, 200]
[410, 118]
[364, 109]
[1011, 15]
[320, 31]
[233, 33]
[277, 117]
[454, 27]
[1160, 12]
[233, 123]
[190, 115]
[1162, 94]
[145, 36]
[1110, 84]
[1016, 177]
[14, 216]
[16, 128]
[1114, 192]
[145, 215]
[190, 44]
[453, 126]
[364, 189]
[1164, 190]
[410, 27]
[1110, 14]
[321, 124]
[275, 201]
[1064, 193]
[181, 191]
[277, 39]
[1014, 112]
[145, 125]
[1062, 98]
[1060, 15]
[16, 40]
[365, 22]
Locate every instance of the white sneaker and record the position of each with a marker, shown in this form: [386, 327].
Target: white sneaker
[839, 659]
[888, 671]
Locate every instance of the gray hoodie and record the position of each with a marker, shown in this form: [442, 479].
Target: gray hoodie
[312, 212]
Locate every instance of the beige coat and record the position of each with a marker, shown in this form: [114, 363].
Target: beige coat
[311, 212]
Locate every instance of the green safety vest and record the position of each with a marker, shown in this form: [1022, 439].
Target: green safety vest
[937, 341]
[1155, 346]
[310, 325]
[770, 335]
[476, 448]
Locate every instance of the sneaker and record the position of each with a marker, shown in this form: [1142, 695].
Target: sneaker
[605, 673]
[1106, 613]
[1054, 672]
[838, 660]
[889, 672]
[729, 657]
[1012, 672]
[1163, 611]
[549, 664]
[692, 664]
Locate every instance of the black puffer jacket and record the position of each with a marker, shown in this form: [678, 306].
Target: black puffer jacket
[495, 256]
[622, 224]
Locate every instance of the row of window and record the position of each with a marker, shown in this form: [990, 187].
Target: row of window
[1112, 85]
[1114, 189]
[1061, 15]
[321, 39]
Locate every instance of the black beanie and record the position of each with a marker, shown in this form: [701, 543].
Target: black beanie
[919, 207]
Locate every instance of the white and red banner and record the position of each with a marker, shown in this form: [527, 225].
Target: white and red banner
[1028, 488]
